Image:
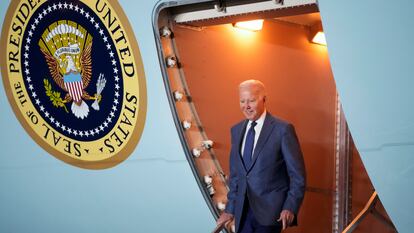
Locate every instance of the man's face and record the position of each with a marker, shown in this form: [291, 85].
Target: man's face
[252, 102]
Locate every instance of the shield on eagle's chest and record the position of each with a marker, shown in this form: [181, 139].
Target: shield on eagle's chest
[74, 85]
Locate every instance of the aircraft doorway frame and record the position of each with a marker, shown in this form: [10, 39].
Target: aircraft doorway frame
[181, 105]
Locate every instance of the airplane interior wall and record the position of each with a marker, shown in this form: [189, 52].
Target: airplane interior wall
[300, 89]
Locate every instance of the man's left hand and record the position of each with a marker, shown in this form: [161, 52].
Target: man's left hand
[286, 216]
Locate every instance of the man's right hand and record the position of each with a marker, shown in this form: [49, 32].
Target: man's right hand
[224, 217]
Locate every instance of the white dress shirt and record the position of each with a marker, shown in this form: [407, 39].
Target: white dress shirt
[257, 130]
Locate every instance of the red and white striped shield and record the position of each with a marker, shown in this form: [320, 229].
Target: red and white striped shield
[74, 85]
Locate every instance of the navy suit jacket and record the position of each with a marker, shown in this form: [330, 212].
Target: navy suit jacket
[276, 179]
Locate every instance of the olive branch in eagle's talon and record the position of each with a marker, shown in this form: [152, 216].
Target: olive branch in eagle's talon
[54, 96]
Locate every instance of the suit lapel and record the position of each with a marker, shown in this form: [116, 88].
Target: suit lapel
[264, 134]
[240, 141]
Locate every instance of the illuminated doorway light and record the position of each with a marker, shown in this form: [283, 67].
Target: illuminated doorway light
[253, 25]
[319, 38]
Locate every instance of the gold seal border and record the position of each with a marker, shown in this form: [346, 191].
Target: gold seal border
[136, 134]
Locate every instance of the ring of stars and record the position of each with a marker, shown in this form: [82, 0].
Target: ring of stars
[71, 131]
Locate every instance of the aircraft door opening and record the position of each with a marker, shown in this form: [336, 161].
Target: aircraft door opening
[205, 57]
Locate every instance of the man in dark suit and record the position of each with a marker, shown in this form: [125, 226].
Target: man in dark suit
[267, 172]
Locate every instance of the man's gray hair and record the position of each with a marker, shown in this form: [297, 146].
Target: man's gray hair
[253, 83]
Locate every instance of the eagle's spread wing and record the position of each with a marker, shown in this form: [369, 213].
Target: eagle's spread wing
[86, 65]
[53, 65]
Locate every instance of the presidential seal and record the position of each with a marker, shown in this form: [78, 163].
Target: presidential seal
[74, 77]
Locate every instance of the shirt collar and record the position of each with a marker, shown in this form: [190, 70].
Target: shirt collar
[261, 119]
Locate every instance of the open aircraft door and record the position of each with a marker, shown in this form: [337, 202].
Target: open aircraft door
[370, 48]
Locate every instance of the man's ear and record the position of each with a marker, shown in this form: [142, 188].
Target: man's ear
[264, 99]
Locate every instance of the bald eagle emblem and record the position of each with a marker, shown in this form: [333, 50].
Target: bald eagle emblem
[67, 48]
